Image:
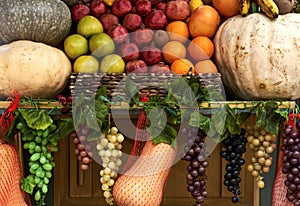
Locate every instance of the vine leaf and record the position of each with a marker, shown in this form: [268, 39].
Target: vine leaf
[36, 119]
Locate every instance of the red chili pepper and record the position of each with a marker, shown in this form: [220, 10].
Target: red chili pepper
[7, 117]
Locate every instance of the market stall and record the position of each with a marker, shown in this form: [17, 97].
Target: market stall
[151, 102]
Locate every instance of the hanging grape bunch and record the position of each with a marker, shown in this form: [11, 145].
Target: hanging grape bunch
[263, 144]
[83, 148]
[195, 154]
[291, 160]
[235, 147]
[109, 149]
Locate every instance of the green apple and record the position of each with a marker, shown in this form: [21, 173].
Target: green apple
[76, 45]
[86, 64]
[101, 45]
[88, 26]
[112, 63]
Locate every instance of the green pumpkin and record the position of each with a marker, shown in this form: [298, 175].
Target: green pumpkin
[46, 21]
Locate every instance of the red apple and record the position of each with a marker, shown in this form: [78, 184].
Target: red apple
[160, 68]
[132, 21]
[98, 8]
[108, 20]
[156, 20]
[177, 10]
[143, 36]
[151, 55]
[136, 66]
[129, 51]
[118, 33]
[78, 11]
[121, 7]
[143, 7]
[161, 6]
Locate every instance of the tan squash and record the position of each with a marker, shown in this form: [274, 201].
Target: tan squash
[33, 69]
[143, 183]
[259, 58]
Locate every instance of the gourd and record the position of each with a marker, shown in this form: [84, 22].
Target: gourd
[46, 21]
[259, 58]
[143, 183]
[33, 69]
[10, 177]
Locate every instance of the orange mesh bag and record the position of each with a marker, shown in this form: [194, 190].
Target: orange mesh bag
[144, 177]
[279, 188]
[10, 177]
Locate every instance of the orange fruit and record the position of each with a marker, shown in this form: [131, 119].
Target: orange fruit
[205, 67]
[226, 8]
[200, 48]
[204, 21]
[182, 66]
[173, 50]
[178, 31]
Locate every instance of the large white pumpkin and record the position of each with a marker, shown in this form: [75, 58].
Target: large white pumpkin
[33, 69]
[259, 58]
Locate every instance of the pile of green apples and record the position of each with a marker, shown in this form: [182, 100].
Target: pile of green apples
[91, 49]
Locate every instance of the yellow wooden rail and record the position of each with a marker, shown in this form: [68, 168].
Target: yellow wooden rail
[124, 105]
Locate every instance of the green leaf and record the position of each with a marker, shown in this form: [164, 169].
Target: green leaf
[218, 120]
[162, 138]
[243, 116]
[232, 124]
[36, 119]
[64, 128]
[131, 91]
[200, 121]
[27, 185]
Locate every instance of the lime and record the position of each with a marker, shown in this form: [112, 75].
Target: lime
[112, 63]
[86, 64]
[76, 45]
[101, 45]
[88, 26]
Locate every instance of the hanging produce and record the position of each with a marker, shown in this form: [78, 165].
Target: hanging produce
[109, 149]
[36, 20]
[235, 147]
[290, 160]
[195, 154]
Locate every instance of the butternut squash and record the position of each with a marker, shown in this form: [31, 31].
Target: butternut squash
[10, 177]
[143, 183]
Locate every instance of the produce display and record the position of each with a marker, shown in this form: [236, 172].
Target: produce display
[253, 45]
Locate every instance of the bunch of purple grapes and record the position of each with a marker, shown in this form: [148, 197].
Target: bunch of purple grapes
[66, 102]
[235, 146]
[195, 154]
[291, 161]
[83, 148]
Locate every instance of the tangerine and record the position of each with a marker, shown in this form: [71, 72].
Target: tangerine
[178, 31]
[204, 21]
[205, 67]
[200, 48]
[226, 8]
[173, 50]
[182, 66]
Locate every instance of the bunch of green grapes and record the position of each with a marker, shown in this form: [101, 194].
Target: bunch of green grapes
[109, 149]
[40, 145]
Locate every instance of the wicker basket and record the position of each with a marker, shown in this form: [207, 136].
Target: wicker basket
[149, 83]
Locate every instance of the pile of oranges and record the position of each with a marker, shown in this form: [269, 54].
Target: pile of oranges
[191, 41]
